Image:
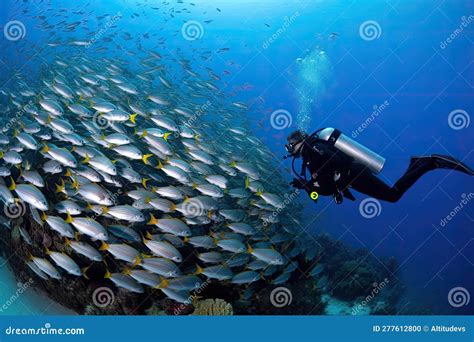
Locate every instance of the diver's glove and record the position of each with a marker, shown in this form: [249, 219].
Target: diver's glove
[298, 183]
[338, 197]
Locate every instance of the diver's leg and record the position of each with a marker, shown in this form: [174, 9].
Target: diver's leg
[364, 181]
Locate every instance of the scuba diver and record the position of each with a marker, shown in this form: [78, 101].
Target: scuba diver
[338, 164]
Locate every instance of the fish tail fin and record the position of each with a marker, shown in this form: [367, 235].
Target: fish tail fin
[76, 236]
[86, 159]
[164, 283]
[60, 187]
[44, 217]
[153, 221]
[145, 158]
[247, 182]
[68, 173]
[144, 180]
[75, 184]
[2, 154]
[13, 184]
[199, 270]
[47, 251]
[137, 261]
[107, 275]
[126, 270]
[233, 164]
[194, 186]
[160, 165]
[249, 249]
[69, 218]
[186, 239]
[133, 118]
[104, 246]
[67, 242]
[149, 236]
[166, 135]
[45, 148]
[104, 209]
[173, 207]
[259, 193]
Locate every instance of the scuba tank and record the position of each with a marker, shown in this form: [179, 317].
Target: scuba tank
[350, 147]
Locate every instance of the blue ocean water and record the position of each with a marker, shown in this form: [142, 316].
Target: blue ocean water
[397, 76]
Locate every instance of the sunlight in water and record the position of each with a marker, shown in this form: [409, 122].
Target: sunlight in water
[313, 75]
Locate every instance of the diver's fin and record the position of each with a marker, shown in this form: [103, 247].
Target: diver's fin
[448, 162]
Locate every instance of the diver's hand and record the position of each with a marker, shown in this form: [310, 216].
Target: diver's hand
[298, 183]
[338, 198]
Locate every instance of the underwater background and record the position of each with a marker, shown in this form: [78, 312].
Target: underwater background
[396, 76]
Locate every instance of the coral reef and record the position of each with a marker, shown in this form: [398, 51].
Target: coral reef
[344, 282]
[213, 307]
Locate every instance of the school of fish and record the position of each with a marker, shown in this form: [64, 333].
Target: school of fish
[154, 175]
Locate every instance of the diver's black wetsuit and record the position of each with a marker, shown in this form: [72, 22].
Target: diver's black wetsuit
[334, 173]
